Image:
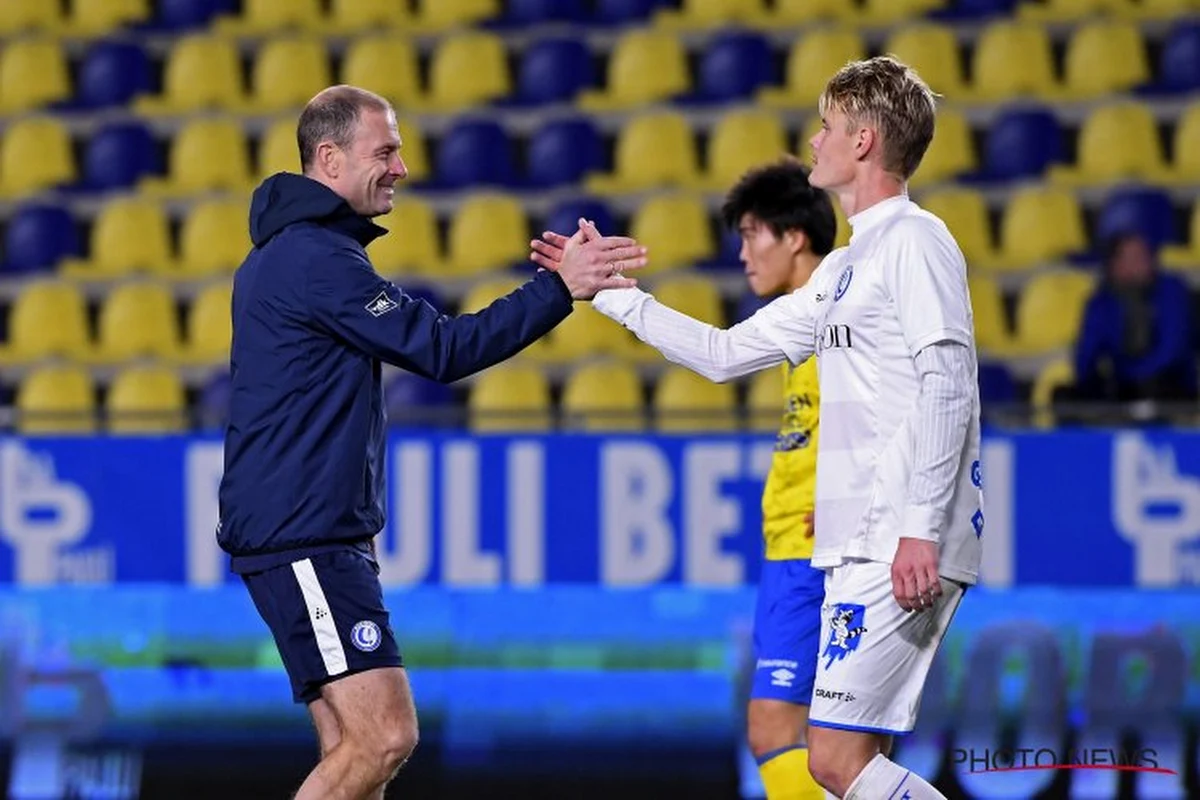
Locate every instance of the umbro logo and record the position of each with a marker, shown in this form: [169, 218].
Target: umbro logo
[381, 305]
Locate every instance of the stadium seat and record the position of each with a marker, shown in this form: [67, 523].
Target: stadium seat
[130, 234]
[733, 67]
[1050, 309]
[214, 238]
[1117, 142]
[1011, 60]
[1022, 143]
[411, 399]
[386, 65]
[475, 151]
[1105, 56]
[488, 231]
[965, 213]
[811, 62]
[95, 18]
[972, 10]
[710, 14]
[270, 16]
[113, 74]
[987, 306]
[207, 154]
[118, 156]
[951, 153]
[288, 72]
[646, 66]
[1055, 374]
[146, 400]
[1040, 225]
[185, 15]
[48, 319]
[793, 13]
[442, 15]
[687, 402]
[137, 320]
[209, 326]
[1179, 59]
[655, 149]
[1068, 10]
[33, 74]
[605, 396]
[202, 72]
[519, 13]
[695, 296]
[411, 245]
[564, 151]
[676, 230]
[889, 12]
[55, 400]
[277, 150]
[764, 400]
[38, 237]
[354, 16]
[468, 68]
[587, 333]
[1185, 256]
[564, 217]
[1185, 162]
[554, 71]
[621, 12]
[414, 151]
[932, 50]
[1138, 210]
[20, 16]
[35, 154]
[740, 140]
[510, 397]
[1171, 10]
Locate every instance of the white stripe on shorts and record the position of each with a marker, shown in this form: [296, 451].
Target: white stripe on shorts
[321, 616]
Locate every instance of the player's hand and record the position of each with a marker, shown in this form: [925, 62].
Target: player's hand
[587, 261]
[915, 582]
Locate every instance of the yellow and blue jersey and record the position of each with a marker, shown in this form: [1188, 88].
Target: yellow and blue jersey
[791, 484]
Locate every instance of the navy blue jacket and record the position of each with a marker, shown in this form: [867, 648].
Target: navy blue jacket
[312, 320]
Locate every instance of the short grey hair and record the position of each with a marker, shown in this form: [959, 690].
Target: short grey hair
[332, 116]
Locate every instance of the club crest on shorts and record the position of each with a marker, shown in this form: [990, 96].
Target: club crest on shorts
[365, 635]
[846, 629]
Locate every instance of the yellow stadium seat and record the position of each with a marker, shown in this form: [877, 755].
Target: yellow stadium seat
[1011, 60]
[1039, 225]
[654, 149]
[90, 18]
[214, 238]
[1105, 56]
[18, 16]
[811, 62]
[676, 230]
[413, 150]
[605, 396]
[146, 399]
[386, 65]
[207, 155]
[137, 320]
[991, 324]
[209, 326]
[710, 14]
[965, 213]
[277, 150]
[1050, 309]
[269, 16]
[441, 15]
[1185, 256]
[411, 244]
[35, 154]
[510, 397]
[741, 140]
[1185, 164]
[288, 72]
[687, 402]
[484, 292]
[467, 69]
[932, 50]
[48, 319]
[1117, 142]
[883, 12]
[950, 154]
[587, 333]
[202, 72]
[56, 399]
[1056, 374]
[130, 234]
[801, 12]
[350, 16]
[764, 400]
[1069, 10]
[33, 73]
[697, 297]
[488, 231]
[1159, 9]
[646, 66]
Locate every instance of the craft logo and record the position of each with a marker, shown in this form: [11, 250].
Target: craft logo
[1027, 759]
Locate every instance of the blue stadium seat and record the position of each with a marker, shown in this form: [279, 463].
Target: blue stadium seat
[621, 12]
[564, 218]
[1179, 64]
[118, 156]
[975, 9]
[528, 12]
[1138, 210]
[475, 152]
[563, 151]
[412, 398]
[1022, 143]
[187, 14]
[996, 383]
[112, 74]
[734, 66]
[38, 237]
[554, 71]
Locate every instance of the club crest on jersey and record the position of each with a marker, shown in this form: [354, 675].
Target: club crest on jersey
[843, 283]
[846, 627]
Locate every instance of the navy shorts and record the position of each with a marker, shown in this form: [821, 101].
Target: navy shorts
[787, 631]
[327, 616]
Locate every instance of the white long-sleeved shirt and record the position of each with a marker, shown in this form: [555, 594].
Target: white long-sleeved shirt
[889, 319]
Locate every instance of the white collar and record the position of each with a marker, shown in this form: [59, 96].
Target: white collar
[869, 217]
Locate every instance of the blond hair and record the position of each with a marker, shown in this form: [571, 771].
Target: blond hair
[890, 96]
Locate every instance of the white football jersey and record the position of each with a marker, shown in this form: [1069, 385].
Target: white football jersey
[870, 307]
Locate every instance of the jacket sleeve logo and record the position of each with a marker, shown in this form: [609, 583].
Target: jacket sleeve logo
[381, 305]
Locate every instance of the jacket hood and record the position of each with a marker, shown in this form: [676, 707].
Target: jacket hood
[286, 198]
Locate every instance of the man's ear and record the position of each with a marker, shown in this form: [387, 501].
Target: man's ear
[864, 142]
[795, 240]
[328, 159]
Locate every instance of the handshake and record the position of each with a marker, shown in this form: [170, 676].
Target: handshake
[588, 262]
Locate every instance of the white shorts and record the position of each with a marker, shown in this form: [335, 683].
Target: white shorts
[874, 655]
